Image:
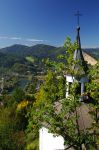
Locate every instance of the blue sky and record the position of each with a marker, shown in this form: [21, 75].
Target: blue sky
[31, 22]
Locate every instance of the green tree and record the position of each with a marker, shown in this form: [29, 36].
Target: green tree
[93, 94]
[54, 110]
[48, 94]
[11, 137]
[30, 89]
[18, 95]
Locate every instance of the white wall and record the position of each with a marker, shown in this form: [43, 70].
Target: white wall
[69, 78]
[49, 142]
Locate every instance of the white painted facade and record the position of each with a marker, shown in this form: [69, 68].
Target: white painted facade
[70, 79]
[47, 141]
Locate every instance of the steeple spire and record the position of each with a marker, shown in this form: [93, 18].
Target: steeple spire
[78, 29]
[79, 65]
[78, 37]
[78, 56]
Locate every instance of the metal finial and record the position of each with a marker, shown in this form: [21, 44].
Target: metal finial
[78, 15]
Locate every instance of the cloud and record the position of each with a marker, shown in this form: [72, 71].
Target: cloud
[34, 40]
[20, 38]
[10, 38]
[15, 38]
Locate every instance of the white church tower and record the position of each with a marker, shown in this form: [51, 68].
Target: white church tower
[78, 57]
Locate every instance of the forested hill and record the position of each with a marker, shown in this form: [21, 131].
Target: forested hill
[41, 51]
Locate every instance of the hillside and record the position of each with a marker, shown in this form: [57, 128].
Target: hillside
[7, 60]
[21, 55]
[16, 49]
[18, 61]
[41, 51]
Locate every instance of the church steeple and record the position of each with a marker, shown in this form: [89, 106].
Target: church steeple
[79, 66]
[78, 37]
[78, 56]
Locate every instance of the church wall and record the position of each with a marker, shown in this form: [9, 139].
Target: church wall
[47, 141]
[69, 79]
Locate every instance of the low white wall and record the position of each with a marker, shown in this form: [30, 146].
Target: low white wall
[69, 78]
[49, 142]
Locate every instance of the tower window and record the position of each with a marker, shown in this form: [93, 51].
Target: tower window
[78, 89]
[69, 87]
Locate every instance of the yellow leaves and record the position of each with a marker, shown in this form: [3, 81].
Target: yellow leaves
[34, 126]
[22, 105]
[39, 97]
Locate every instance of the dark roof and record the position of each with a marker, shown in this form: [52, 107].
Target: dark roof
[78, 56]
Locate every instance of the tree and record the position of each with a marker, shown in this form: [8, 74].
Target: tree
[11, 137]
[54, 110]
[30, 89]
[18, 95]
[13, 121]
[47, 95]
[93, 94]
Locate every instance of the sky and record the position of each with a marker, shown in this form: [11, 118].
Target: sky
[30, 22]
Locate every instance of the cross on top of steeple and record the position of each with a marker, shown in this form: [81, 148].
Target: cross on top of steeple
[78, 56]
[78, 15]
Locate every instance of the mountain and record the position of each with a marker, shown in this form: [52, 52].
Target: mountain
[41, 51]
[16, 49]
[7, 60]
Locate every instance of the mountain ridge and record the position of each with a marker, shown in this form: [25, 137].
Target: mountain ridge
[42, 51]
[22, 50]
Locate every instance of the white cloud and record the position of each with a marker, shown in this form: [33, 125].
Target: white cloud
[15, 38]
[20, 38]
[34, 40]
[10, 38]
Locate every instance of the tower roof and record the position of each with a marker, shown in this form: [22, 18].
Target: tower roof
[80, 63]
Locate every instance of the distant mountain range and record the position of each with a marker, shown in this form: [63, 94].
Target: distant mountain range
[40, 51]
